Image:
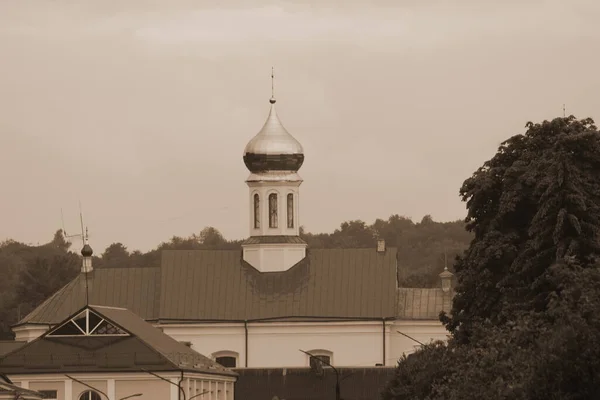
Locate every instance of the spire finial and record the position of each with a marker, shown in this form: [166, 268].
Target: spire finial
[272, 101]
[86, 236]
[564, 110]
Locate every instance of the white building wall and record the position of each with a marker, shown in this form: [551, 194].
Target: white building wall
[276, 344]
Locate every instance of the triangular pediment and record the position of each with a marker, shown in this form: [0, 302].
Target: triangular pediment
[87, 323]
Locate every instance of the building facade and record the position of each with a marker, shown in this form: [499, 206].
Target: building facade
[107, 353]
[258, 307]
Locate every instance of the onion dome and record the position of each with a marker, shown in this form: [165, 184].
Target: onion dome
[87, 251]
[273, 148]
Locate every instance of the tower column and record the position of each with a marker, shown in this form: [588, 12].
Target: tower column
[273, 158]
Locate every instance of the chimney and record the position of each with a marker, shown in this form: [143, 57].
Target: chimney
[380, 245]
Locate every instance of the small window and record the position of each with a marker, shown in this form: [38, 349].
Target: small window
[320, 357]
[90, 395]
[290, 210]
[48, 394]
[324, 360]
[256, 211]
[227, 361]
[273, 218]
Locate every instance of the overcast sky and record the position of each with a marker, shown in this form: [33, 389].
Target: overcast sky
[142, 109]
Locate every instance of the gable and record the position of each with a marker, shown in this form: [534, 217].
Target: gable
[99, 338]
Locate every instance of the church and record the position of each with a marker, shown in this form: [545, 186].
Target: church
[275, 301]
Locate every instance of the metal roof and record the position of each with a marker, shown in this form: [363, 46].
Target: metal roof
[275, 239]
[144, 348]
[131, 288]
[422, 303]
[217, 285]
[6, 346]
[328, 283]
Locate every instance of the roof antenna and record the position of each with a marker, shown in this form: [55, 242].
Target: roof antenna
[272, 101]
[83, 234]
[65, 234]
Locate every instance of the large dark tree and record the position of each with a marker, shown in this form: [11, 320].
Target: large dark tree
[534, 203]
[524, 321]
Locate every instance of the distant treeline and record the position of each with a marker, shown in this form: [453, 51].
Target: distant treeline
[30, 274]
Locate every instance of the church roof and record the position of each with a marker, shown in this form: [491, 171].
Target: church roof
[217, 285]
[108, 338]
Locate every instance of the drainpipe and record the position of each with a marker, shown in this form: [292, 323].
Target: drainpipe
[246, 340]
[383, 334]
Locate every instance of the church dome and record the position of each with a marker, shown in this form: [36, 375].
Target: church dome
[273, 148]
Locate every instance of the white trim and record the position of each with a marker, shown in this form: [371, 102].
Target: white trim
[110, 389]
[68, 389]
[288, 323]
[174, 389]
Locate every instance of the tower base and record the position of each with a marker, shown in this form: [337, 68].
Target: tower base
[274, 254]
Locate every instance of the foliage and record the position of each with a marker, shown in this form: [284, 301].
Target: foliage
[534, 203]
[524, 321]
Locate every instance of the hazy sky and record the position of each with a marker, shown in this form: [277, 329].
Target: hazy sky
[141, 109]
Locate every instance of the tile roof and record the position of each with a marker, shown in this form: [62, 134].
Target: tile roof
[422, 303]
[301, 383]
[334, 283]
[145, 348]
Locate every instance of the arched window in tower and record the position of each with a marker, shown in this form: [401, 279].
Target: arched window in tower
[273, 210]
[256, 211]
[290, 210]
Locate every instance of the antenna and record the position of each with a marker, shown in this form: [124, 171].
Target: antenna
[82, 235]
[87, 288]
[272, 82]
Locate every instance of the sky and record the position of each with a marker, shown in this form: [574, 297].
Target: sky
[141, 109]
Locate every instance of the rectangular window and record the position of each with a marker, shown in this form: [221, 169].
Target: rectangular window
[290, 210]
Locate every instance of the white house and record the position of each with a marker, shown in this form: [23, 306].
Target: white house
[107, 353]
[260, 306]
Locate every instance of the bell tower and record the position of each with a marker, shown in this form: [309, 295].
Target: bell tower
[273, 158]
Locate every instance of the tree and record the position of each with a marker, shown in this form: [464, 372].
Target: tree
[42, 277]
[116, 255]
[524, 320]
[211, 237]
[535, 202]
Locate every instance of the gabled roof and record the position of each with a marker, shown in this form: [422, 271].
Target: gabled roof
[217, 285]
[131, 288]
[6, 346]
[98, 338]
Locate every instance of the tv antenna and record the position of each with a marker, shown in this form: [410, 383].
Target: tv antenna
[82, 235]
